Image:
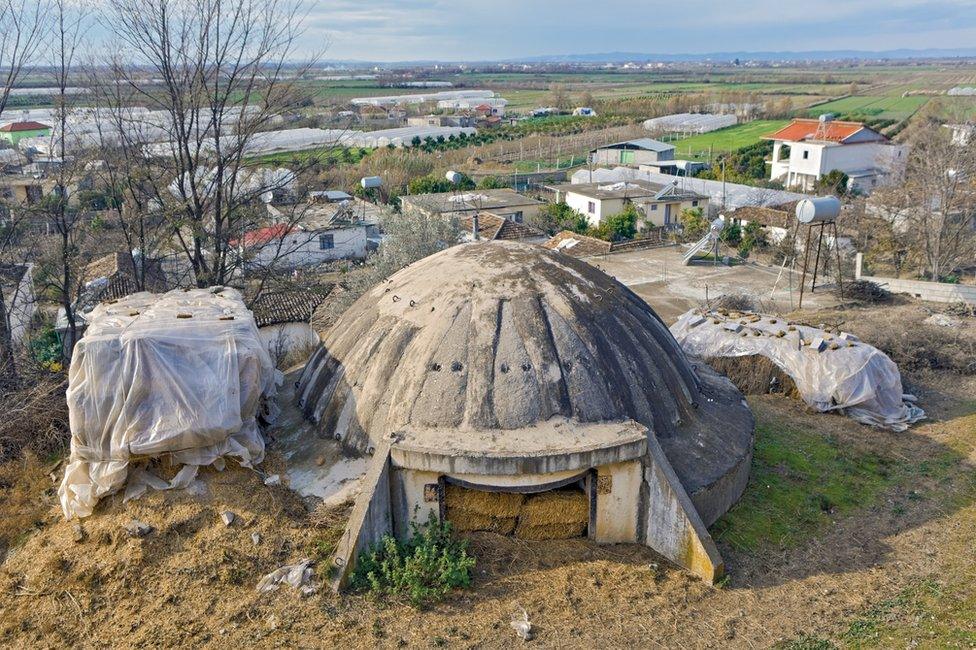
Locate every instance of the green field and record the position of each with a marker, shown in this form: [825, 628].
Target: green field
[885, 108]
[728, 139]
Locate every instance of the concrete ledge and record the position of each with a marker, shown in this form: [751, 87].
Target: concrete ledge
[533, 450]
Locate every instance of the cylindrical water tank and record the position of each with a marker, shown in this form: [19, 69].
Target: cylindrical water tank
[822, 208]
[370, 181]
[453, 177]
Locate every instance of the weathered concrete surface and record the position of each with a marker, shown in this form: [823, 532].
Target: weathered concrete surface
[499, 336]
[671, 289]
[618, 489]
[555, 445]
[674, 528]
[371, 518]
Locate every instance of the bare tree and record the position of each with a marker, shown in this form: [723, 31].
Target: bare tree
[217, 70]
[64, 279]
[21, 32]
[936, 204]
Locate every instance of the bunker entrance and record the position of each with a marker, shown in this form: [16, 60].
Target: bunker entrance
[559, 513]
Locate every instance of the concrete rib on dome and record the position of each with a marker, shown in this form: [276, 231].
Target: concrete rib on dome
[491, 337]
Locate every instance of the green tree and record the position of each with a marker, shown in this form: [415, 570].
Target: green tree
[491, 183]
[731, 234]
[434, 184]
[753, 237]
[554, 217]
[833, 182]
[620, 226]
[693, 222]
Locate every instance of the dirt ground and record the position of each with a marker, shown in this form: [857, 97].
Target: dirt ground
[896, 571]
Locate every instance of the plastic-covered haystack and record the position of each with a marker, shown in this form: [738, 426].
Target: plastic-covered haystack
[831, 370]
[182, 374]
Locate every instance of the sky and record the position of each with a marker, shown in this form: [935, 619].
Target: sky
[459, 30]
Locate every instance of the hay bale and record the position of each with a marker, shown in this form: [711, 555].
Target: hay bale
[550, 531]
[480, 502]
[465, 522]
[755, 375]
[555, 507]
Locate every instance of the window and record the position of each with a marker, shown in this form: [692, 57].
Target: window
[806, 155]
[591, 207]
[326, 242]
[694, 203]
[517, 216]
[654, 207]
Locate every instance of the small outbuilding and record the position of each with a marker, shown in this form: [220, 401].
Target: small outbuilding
[641, 151]
[514, 389]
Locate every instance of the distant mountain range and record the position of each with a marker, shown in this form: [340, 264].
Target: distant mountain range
[643, 57]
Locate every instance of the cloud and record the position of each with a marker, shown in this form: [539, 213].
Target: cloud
[468, 29]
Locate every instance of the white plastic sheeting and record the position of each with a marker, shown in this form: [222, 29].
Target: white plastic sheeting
[832, 371]
[182, 374]
[690, 122]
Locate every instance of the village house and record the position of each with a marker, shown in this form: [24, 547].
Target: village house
[776, 220]
[660, 205]
[307, 234]
[107, 279]
[494, 106]
[14, 132]
[632, 153]
[806, 150]
[492, 227]
[459, 119]
[284, 321]
[505, 203]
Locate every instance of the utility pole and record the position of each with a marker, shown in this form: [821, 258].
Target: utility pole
[723, 184]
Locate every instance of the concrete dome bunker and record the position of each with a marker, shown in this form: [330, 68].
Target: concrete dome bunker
[505, 366]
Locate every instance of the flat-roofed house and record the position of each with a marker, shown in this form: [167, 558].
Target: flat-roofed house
[505, 203]
[660, 204]
[806, 150]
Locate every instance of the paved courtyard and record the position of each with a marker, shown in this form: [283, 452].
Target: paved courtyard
[659, 277]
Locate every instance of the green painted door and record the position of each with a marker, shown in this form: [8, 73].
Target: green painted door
[626, 157]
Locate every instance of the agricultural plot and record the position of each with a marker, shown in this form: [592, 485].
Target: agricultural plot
[728, 139]
[883, 108]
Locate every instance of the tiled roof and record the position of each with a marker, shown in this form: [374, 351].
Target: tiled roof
[834, 131]
[118, 269]
[276, 307]
[775, 217]
[491, 227]
[262, 236]
[577, 245]
[29, 125]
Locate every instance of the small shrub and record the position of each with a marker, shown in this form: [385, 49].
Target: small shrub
[423, 568]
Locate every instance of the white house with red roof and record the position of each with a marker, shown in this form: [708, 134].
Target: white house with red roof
[308, 234]
[806, 150]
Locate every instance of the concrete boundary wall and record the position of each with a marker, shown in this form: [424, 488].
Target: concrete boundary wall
[931, 291]
[370, 520]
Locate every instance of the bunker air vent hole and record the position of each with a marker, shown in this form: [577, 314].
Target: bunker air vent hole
[436, 367]
[456, 366]
[504, 367]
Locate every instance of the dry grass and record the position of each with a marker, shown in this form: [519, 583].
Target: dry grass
[851, 579]
[755, 375]
[35, 416]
